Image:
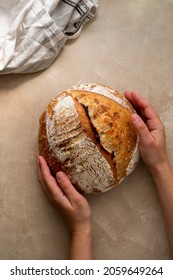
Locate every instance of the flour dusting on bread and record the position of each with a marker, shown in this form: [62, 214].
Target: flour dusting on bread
[86, 131]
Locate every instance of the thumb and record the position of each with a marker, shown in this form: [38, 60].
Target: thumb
[142, 129]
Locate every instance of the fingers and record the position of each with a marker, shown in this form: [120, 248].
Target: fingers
[46, 179]
[38, 169]
[146, 111]
[60, 189]
[67, 187]
[140, 103]
[142, 129]
[128, 95]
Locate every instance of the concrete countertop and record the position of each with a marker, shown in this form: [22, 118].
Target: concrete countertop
[129, 46]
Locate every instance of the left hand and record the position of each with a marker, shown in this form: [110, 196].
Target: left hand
[69, 203]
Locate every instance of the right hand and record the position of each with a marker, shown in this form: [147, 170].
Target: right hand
[151, 133]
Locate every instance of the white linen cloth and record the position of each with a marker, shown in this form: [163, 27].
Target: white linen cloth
[32, 32]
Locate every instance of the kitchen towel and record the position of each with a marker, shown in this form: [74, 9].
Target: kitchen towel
[33, 32]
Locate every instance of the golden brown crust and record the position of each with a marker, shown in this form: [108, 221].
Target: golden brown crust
[114, 121]
[91, 130]
[106, 123]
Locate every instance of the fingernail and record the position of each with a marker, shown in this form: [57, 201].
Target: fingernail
[60, 175]
[134, 117]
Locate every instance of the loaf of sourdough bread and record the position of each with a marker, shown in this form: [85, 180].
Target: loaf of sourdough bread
[86, 132]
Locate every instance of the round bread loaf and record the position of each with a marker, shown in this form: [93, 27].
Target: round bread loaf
[86, 132]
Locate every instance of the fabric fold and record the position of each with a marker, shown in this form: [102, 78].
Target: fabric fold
[35, 31]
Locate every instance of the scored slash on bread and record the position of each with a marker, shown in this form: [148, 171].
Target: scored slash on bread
[86, 131]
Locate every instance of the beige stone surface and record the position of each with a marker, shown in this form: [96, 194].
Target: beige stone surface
[129, 46]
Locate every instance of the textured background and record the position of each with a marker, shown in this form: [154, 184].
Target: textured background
[129, 46]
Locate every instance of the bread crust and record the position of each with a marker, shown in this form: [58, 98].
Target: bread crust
[97, 120]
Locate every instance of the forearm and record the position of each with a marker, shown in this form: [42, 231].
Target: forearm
[163, 177]
[81, 245]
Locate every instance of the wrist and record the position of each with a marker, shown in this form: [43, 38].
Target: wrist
[81, 230]
[161, 169]
[81, 243]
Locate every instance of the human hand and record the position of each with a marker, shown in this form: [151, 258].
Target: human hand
[151, 132]
[69, 203]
